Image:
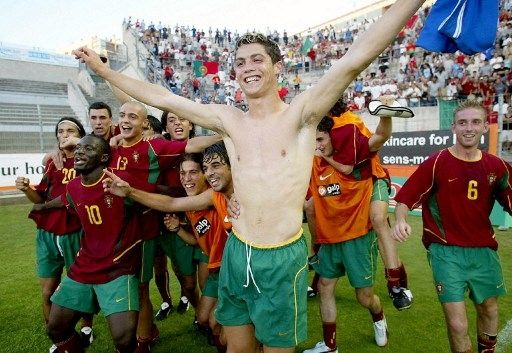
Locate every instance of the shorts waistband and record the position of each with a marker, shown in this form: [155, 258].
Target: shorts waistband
[290, 241]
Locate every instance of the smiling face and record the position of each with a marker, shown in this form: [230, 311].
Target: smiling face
[469, 125]
[217, 172]
[90, 153]
[132, 120]
[178, 128]
[254, 70]
[192, 178]
[323, 143]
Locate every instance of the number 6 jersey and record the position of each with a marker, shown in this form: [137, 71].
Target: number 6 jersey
[457, 198]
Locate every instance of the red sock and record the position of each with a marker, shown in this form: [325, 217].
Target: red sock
[403, 277]
[329, 329]
[71, 345]
[377, 317]
[486, 343]
[393, 277]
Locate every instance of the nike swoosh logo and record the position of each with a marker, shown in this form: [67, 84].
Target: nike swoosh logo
[322, 178]
[450, 180]
[501, 285]
[282, 334]
[367, 277]
[119, 300]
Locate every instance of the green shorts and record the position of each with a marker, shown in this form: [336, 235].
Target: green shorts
[211, 288]
[53, 252]
[380, 190]
[458, 270]
[179, 251]
[116, 296]
[200, 256]
[265, 286]
[357, 258]
[147, 260]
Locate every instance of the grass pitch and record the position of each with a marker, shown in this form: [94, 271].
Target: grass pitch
[420, 329]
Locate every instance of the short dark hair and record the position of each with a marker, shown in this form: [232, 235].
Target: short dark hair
[325, 125]
[217, 149]
[154, 123]
[101, 105]
[80, 127]
[271, 47]
[193, 157]
[338, 108]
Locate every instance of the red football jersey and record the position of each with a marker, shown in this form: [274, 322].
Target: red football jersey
[111, 227]
[457, 198]
[141, 165]
[58, 221]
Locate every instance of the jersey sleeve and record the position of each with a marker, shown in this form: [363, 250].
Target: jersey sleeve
[503, 189]
[168, 152]
[350, 146]
[44, 184]
[419, 186]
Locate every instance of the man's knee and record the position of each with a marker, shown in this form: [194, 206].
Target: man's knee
[488, 308]
[57, 331]
[326, 286]
[456, 326]
[365, 296]
[125, 340]
[379, 219]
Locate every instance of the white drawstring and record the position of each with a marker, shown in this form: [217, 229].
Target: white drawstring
[248, 267]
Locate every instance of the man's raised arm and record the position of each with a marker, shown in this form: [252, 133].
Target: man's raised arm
[320, 98]
[206, 115]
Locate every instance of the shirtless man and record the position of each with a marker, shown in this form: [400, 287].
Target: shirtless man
[271, 149]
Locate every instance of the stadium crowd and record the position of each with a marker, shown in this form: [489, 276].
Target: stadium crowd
[415, 76]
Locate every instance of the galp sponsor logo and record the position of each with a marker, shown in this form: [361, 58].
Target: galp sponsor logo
[329, 190]
[202, 226]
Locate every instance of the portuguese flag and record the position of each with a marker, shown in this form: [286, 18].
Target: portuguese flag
[202, 68]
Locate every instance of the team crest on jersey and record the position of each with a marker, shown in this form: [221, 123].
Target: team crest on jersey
[109, 201]
[202, 226]
[135, 156]
[491, 178]
[329, 190]
[439, 288]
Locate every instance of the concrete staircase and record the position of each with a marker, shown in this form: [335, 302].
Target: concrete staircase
[103, 94]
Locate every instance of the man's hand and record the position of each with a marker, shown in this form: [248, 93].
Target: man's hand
[401, 231]
[22, 183]
[115, 141]
[70, 141]
[58, 158]
[90, 57]
[172, 222]
[115, 185]
[233, 207]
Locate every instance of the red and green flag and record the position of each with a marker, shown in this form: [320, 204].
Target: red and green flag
[202, 68]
